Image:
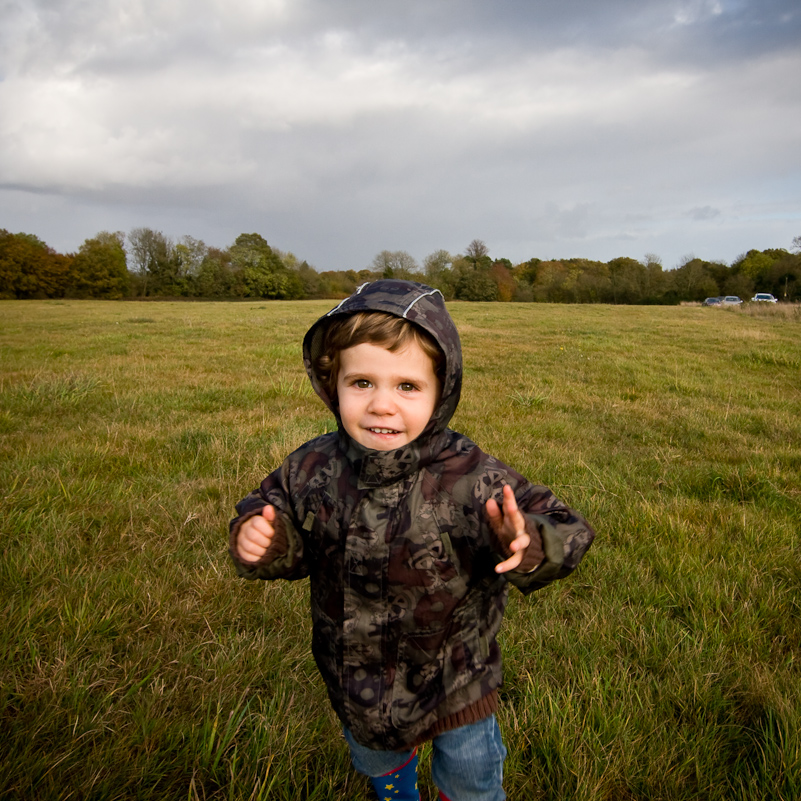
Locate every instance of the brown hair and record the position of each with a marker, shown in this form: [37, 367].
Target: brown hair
[376, 328]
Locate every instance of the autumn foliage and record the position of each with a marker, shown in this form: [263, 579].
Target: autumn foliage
[147, 264]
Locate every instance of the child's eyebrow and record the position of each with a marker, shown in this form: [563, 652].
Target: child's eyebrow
[354, 374]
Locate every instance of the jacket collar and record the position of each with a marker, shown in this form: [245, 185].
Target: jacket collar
[381, 468]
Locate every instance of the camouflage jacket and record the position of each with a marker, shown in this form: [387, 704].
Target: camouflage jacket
[406, 605]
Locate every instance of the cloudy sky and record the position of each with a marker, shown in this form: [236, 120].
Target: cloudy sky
[340, 128]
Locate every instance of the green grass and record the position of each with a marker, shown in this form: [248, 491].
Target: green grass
[133, 664]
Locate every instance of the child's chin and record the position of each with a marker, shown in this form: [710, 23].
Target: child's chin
[383, 442]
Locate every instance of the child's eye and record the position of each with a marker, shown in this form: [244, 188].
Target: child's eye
[361, 383]
[407, 387]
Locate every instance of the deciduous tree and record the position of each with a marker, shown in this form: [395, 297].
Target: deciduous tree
[190, 253]
[396, 264]
[264, 273]
[438, 272]
[501, 274]
[628, 280]
[784, 279]
[31, 269]
[756, 265]
[476, 285]
[100, 268]
[527, 271]
[693, 281]
[435, 264]
[155, 263]
[477, 252]
[218, 277]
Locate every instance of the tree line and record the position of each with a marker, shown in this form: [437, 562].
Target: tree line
[147, 264]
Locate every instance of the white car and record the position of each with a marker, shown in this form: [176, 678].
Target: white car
[764, 296]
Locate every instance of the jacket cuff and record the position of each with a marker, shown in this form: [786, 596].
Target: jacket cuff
[544, 562]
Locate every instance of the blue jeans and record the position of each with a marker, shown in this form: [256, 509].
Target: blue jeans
[466, 763]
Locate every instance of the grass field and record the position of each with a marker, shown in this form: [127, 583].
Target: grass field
[133, 664]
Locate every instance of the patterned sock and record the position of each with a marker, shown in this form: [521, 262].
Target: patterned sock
[400, 784]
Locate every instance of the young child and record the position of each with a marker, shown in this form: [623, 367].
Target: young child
[410, 535]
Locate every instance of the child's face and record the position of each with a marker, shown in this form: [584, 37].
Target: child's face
[386, 399]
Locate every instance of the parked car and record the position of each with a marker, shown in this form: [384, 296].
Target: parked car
[764, 296]
[731, 300]
[712, 302]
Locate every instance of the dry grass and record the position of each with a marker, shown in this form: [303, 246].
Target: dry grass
[133, 664]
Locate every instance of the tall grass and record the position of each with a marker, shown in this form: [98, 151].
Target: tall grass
[133, 664]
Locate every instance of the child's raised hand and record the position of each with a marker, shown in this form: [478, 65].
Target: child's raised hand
[510, 526]
[255, 535]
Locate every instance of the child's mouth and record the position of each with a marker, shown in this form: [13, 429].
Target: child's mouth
[383, 431]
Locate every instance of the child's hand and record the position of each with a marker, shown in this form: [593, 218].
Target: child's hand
[255, 535]
[510, 526]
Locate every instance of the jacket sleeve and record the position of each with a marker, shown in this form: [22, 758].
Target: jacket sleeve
[285, 556]
[564, 534]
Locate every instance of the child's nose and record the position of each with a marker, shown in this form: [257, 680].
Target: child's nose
[382, 402]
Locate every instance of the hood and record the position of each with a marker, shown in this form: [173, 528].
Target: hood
[425, 307]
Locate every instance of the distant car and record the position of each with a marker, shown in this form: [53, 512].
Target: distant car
[764, 296]
[731, 300]
[711, 302]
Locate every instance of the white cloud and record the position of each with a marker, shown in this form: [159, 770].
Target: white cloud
[691, 11]
[339, 134]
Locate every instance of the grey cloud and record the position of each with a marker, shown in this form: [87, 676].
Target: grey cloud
[338, 129]
[151, 33]
[701, 213]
